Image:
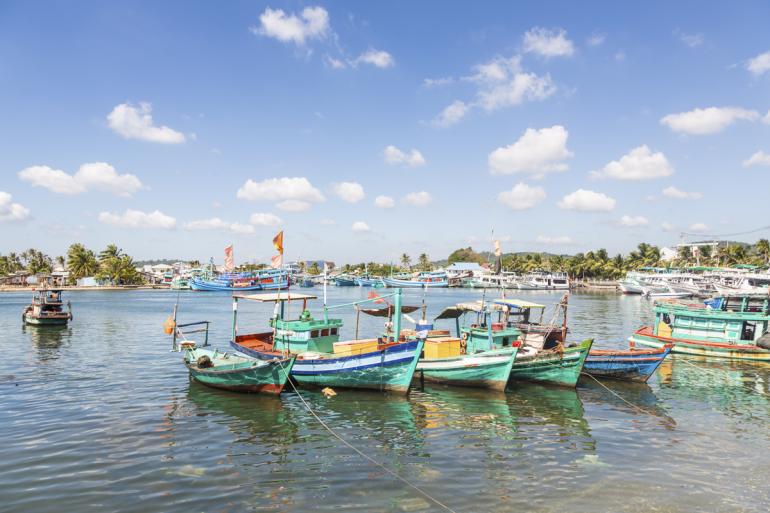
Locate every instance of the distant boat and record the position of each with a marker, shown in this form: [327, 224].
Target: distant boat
[733, 327]
[631, 364]
[366, 280]
[266, 279]
[541, 280]
[428, 279]
[47, 309]
[344, 280]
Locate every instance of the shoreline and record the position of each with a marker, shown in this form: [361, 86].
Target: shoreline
[77, 288]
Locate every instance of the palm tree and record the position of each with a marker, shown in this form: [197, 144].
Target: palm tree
[406, 261]
[111, 251]
[81, 262]
[424, 262]
[763, 248]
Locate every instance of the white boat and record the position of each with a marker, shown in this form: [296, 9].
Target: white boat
[541, 280]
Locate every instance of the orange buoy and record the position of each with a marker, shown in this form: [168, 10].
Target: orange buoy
[169, 325]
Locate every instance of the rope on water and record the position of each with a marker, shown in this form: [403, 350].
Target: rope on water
[608, 389]
[361, 453]
[699, 367]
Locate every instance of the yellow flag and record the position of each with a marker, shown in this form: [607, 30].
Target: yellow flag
[278, 242]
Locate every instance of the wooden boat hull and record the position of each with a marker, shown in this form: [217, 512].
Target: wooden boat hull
[482, 370]
[552, 367]
[389, 369]
[645, 336]
[630, 365]
[264, 379]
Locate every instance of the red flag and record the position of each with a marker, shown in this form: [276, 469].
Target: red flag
[374, 295]
[229, 262]
[276, 262]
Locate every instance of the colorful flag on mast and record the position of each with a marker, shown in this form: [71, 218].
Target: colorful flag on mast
[229, 262]
[277, 261]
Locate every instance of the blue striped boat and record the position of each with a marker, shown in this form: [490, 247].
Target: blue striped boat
[344, 281]
[631, 364]
[432, 279]
[269, 279]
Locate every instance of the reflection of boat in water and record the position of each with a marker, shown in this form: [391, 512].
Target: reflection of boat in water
[632, 398]
[47, 340]
[474, 409]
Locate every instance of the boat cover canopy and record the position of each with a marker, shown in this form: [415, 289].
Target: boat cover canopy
[518, 303]
[388, 310]
[453, 312]
[275, 297]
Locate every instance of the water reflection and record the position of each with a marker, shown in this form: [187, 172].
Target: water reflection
[47, 340]
[630, 398]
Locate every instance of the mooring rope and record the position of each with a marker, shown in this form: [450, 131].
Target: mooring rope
[707, 369]
[361, 453]
[608, 389]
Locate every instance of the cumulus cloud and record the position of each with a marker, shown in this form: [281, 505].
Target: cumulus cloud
[98, 176]
[698, 227]
[633, 221]
[293, 194]
[384, 202]
[10, 211]
[553, 241]
[360, 226]
[312, 23]
[707, 121]
[133, 122]
[216, 223]
[537, 152]
[394, 155]
[265, 219]
[138, 219]
[548, 42]
[352, 192]
[451, 114]
[378, 58]
[638, 164]
[521, 197]
[760, 64]
[596, 39]
[418, 199]
[587, 201]
[673, 192]
[759, 158]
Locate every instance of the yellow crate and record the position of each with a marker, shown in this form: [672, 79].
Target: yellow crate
[353, 347]
[442, 348]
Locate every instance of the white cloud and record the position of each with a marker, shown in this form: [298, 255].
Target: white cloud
[334, 63]
[587, 201]
[136, 123]
[360, 226]
[521, 197]
[98, 176]
[596, 39]
[554, 241]
[10, 211]
[435, 82]
[393, 155]
[537, 152]
[352, 192]
[378, 58]
[451, 114]
[418, 199]
[548, 43]
[620, 56]
[691, 40]
[328, 222]
[522, 86]
[312, 23]
[265, 219]
[707, 121]
[759, 158]
[633, 221]
[673, 192]
[698, 228]
[138, 219]
[638, 164]
[384, 202]
[760, 64]
[293, 205]
[216, 223]
[766, 118]
[295, 194]
[667, 227]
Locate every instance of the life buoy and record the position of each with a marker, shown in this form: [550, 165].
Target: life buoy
[464, 342]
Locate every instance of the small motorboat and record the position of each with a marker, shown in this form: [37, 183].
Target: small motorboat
[47, 309]
[632, 364]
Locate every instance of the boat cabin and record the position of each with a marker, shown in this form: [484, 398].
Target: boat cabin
[47, 307]
[489, 328]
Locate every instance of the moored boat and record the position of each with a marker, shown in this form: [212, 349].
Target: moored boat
[734, 327]
[47, 309]
[267, 279]
[633, 364]
[555, 366]
[428, 279]
[383, 363]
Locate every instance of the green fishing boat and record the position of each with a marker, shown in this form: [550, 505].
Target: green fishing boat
[47, 309]
[480, 356]
[733, 327]
[556, 366]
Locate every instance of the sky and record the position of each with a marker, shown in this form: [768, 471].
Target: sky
[365, 130]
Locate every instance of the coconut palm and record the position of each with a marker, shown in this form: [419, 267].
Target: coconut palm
[406, 261]
[81, 262]
[424, 262]
[762, 247]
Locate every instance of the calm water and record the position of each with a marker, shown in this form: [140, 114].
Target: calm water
[100, 416]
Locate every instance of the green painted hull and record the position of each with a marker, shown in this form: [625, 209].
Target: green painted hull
[711, 349]
[490, 369]
[244, 377]
[553, 368]
[37, 321]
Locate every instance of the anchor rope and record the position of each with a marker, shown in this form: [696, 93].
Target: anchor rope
[608, 389]
[707, 369]
[361, 453]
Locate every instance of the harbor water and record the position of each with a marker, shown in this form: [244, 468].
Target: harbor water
[100, 416]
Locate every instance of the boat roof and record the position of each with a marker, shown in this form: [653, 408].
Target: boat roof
[518, 303]
[275, 297]
[453, 312]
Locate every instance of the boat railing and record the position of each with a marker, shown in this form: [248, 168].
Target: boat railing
[181, 333]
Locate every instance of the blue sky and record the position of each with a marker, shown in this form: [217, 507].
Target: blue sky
[175, 128]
